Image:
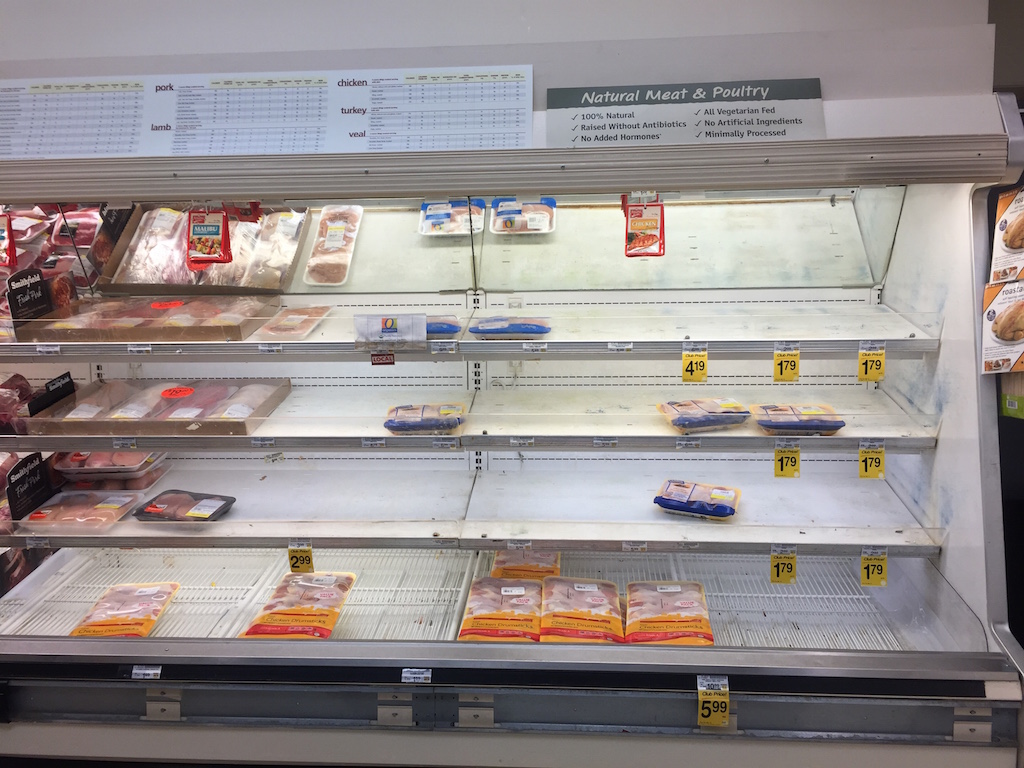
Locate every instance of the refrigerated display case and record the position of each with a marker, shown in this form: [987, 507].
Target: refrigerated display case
[822, 244]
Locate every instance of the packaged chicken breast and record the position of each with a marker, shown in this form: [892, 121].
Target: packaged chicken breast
[502, 610]
[303, 606]
[797, 420]
[709, 502]
[668, 613]
[142, 483]
[452, 217]
[580, 611]
[127, 610]
[525, 564]
[107, 465]
[510, 216]
[98, 403]
[510, 327]
[292, 324]
[442, 326]
[184, 506]
[243, 402]
[431, 419]
[690, 416]
[82, 509]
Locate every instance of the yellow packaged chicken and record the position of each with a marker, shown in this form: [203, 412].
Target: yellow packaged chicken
[127, 610]
[668, 613]
[525, 564]
[304, 605]
[580, 611]
[502, 610]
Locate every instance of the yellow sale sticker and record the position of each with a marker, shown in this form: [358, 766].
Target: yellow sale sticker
[712, 701]
[783, 564]
[874, 567]
[787, 458]
[871, 460]
[300, 556]
[787, 361]
[695, 363]
[871, 361]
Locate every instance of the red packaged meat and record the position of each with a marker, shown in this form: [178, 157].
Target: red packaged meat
[90, 509]
[186, 506]
[143, 482]
[293, 324]
[195, 400]
[335, 242]
[149, 402]
[76, 228]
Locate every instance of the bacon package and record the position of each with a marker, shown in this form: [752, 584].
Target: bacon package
[502, 610]
[433, 419]
[509, 216]
[335, 243]
[708, 502]
[293, 324]
[90, 509]
[525, 564]
[580, 611]
[187, 506]
[690, 416]
[303, 606]
[797, 420]
[668, 613]
[127, 610]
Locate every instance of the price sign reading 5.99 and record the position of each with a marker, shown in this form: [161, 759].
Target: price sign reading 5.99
[712, 700]
[695, 362]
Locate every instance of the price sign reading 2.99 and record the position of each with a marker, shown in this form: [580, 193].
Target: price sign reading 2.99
[695, 362]
[300, 556]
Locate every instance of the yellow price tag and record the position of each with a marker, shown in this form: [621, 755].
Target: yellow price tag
[874, 567]
[787, 361]
[783, 564]
[695, 362]
[871, 361]
[712, 701]
[787, 458]
[871, 460]
[300, 556]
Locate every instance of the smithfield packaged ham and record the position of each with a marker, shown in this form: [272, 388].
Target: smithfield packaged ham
[797, 420]
[127, 610]
[303, 606]
[580, 611]
[433, 419]
[525, 564]
[708, 502]
[184, 506]
[668, 613]
[335, 243]
[704, 415]
[85, 509]
[502, 610]
[509, 216]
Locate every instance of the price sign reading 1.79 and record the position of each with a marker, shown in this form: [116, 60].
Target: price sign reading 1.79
[871, 361]
[787, 458]
[695, 362]
[787, 361]
[874, 567]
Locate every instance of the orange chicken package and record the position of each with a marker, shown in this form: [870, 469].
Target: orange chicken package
[580, 611]
[502, 610]
[668, 613]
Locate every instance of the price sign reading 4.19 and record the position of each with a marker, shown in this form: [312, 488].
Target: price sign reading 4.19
[874, 567]
[783, 564]
[695, 362]
[300, 556]
[871, 361]
[712, 700]
[787, 458]
[871, 459]
[787, 361]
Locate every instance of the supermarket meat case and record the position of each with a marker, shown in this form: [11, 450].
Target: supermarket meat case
[532, 403]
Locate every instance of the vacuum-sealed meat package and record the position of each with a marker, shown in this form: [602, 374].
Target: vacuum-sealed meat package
[275, 249]
[580, 611]
[797, 420]
[243, 402]
[195, 400]
[146, 404]
[510, 327]
[76, 228]
[293, 324]
[703, 415]
[187, 506]
[87, 509]
[442, 326]
[509, 216]
[525, 564]
[708, 502]
[432, 419]
[668, 613]
[452, 217]
[303, 606]
[127, 610]
[502, 610]
[99, 403]
[156, 253]
[335, 243]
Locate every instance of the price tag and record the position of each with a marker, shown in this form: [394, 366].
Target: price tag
[410, 675]
[519, 544]
[871, 460]
[47, 349]
[620, 346]
[263, 442]
[606, 442]
[300, 555]
[140, 349]
[146, 672]
[695, 362]
[783, 564]
[373, 442]
[37, 542]
[687, 443]
[787, 458]
[634, 546]
[521, 442]
[266, 348]
[125, 444]
[871, 361]
[787, 361]
[713, 700]
[444, 347]
[535, 346]
[874, 567]
[448, 443]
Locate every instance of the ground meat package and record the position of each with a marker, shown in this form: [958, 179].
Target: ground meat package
[690, 416]
[82, 509]
[303, 606]
[127, 610]
[502, 610]
[580, 611]
[335, 243]
[432, 419]
[184, 506]
[709, 502]
[797, 420]
[668, 613]
[525, 564]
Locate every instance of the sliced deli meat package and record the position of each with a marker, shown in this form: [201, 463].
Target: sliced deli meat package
[580, 611]
[335, 243]
[703, 415]
[709, 502]
[502, 610]
[525, 564]
[510, 216]
[82, 509]
[184, 506]
[303, 606]
[127, 610]
[797, 420]
[668, 613]
[432, 419]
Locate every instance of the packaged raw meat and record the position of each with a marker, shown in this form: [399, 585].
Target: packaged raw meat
[92, 509]
[99, 403]
[28, 225]
[19, 384]
[143, 482]
[275, 250]
[580, 611]
[502, 610]
[242, 404]
[510, 327]
[156, 253]
[294, 323]
[195, 401]
[234, 312]
[442, 326]
[185, 506]
[103, 465]
[7, 462]
[668, 613]
[335, 242]
[433, 419]
[797, 419]
[703, 415]
[242, 237]
[304, 605]
[127, 610]
[709, 502]
[147, 403]
[452, 217]
[525, 564]
[76, 228]
[511, 217]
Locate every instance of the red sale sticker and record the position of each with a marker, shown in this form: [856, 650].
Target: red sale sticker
[167, 304]
[174, 393]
